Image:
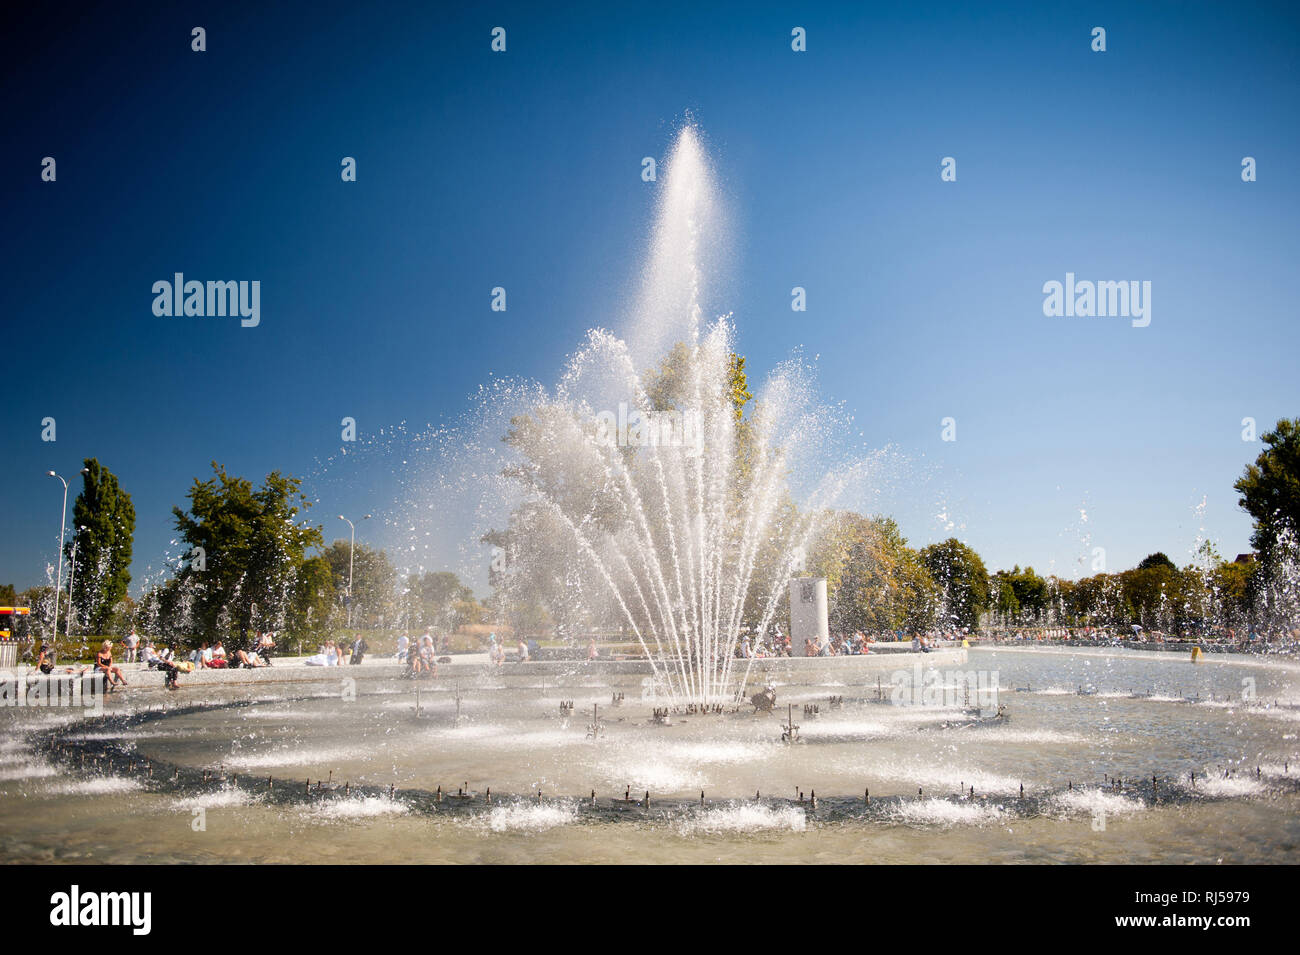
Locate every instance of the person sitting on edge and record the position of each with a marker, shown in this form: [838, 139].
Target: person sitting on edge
[248, 659]
[45, 662]
[402, 643]
[218, 659]
[265, 645]
[414, 663]
[170, 672]
[104, 664]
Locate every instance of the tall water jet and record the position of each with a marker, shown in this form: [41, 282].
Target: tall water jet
[686, 250]
[644, 472]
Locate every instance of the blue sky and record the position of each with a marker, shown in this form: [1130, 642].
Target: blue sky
[522, 170]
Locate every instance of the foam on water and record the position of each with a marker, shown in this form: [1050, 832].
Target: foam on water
[97, 786]
[527, 817]
[1095, 802]
[653, 774]
[942, 778]
[941, 812]
[355, 807]
[30, 770]
[743, 818]
[225, 798]
[94, 737]
[264, 715]
[292, 756]
[1232, 787]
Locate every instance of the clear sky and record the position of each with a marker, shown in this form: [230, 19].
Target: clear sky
[522, 169]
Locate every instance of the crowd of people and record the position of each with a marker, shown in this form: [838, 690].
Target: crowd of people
[778, 645]
[839, 645]
[213, 656]
[420, 656]
[1135, 635]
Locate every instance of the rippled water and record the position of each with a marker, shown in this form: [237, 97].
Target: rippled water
[1078, 720]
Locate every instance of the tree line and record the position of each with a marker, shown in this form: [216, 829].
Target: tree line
[253, 561]
[250, 561]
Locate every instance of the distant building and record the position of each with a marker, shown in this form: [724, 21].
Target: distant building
[1244, 558]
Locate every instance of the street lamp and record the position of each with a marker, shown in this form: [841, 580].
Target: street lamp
[351, 550]
[63, 526]
[72, 576]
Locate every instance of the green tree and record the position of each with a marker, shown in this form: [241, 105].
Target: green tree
[1158, 559]
[252, 546]
[315, 610]
[439, 599]
[1005, 603]
[103, 547]
[374, 582]
[740, 393]
[963, 581]
[1032, 593]
[1270, 489]
[875, 582]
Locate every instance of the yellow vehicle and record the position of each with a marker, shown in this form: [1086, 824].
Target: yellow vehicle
[8, 645]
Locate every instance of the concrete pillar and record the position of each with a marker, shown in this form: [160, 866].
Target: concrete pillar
[808, 614]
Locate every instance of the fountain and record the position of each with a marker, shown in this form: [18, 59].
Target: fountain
[646, 478]
[644, 470]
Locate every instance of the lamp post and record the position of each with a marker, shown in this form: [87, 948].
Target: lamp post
[72, 576]
[351, 551]
[63, 526]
